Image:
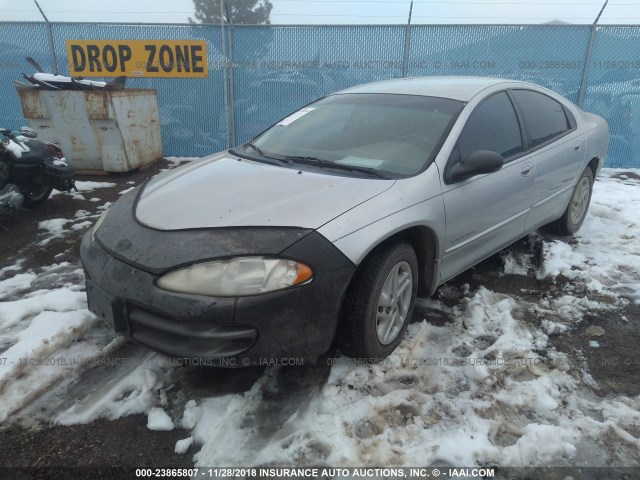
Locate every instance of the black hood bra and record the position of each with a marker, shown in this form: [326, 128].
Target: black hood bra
[158, 251]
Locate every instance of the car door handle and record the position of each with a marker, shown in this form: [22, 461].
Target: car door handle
[577, 146]
[526, 170]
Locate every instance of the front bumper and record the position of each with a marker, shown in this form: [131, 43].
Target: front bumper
[298, 322]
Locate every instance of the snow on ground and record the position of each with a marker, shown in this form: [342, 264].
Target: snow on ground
[59, 227]
[483, 388]
[11, 268]
[516, 264]
[85, 186]
[183, 445]
[45, 329]
[159, 420]
[608, 248]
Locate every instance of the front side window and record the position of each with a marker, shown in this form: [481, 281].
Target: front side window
[545, 117]
[394, 135]
[493, 126]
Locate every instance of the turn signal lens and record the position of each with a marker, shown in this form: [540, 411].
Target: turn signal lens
[304, 273]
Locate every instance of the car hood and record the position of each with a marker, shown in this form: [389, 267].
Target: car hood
[226, 191]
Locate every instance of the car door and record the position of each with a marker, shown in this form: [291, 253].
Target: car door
[556, 151]
[486, 212]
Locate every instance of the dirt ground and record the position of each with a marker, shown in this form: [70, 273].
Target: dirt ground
[127, 442]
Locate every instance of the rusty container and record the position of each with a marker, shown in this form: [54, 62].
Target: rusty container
[99, 131]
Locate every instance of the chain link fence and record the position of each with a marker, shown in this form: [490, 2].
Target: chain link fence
[258, 74]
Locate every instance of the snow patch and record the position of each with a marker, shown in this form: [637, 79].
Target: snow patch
[159, 420]
[58, 300]
[16, 267]
[15, 284]
[133, 393]
[605, 255]
[516, 264]
[455, 402]
[183, 445]
[81, 225]
[17, 148]
[553, 328]
[191, 414]
[85, 186]
[54, 226]
[47, 333]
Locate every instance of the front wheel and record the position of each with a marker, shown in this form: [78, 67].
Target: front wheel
[379, 302]
[35, 195]
[576, 211]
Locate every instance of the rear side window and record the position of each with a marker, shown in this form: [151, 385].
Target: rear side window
[493, 125]
[545, 118]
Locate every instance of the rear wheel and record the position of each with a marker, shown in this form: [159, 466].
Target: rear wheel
[379, 302]
[576, 211]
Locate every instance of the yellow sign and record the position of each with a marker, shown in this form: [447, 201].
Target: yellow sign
[137, 58]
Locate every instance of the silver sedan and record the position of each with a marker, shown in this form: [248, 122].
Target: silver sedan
[327, 225]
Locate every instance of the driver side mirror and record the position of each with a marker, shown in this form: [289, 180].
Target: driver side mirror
[478, 163]
[28, 132]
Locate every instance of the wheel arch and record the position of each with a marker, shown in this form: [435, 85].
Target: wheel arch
[424, 241]
[594, 165]
[349, 333]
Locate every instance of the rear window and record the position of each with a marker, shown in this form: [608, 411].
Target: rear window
[544, 117]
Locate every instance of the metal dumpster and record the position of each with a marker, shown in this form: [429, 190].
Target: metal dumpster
[99, 131]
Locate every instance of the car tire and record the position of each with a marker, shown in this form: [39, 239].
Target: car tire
[379, 302]
[576, 211]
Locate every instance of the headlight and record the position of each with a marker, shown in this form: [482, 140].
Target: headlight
[96, 226]
[237, 277]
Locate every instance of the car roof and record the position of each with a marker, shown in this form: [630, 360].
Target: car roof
[456, 88]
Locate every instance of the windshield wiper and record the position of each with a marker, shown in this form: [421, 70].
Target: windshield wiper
[338, 166]
[256, 148]
[263, 157]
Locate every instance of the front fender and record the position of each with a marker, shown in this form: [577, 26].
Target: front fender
[411, 202]
[429, 214]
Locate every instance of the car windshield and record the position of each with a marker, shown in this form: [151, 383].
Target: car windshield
[384, 134]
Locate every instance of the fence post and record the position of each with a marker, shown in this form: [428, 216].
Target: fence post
[587, 59]
[52, 50]
[407, 43]
[232, 109]
[224, 74]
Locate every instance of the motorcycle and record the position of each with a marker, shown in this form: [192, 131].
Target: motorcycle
[31, 169]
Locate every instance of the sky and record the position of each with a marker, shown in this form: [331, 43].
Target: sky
[338, 11]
